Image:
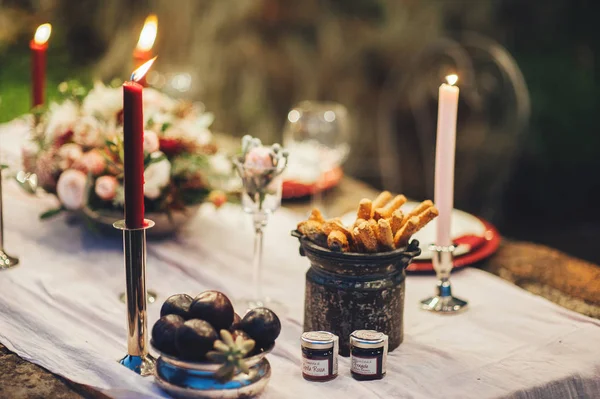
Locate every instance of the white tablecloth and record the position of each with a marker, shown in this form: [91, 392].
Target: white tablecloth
[60, 309]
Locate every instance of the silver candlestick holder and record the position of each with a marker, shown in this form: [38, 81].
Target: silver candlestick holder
[6, 261]
[443, 302]
[134, 246]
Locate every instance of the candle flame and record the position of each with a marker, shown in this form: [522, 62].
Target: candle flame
[141, 71]
[452, 79]
[148, 33]
[42, 34]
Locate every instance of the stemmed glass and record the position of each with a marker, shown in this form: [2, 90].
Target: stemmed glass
[261, 196]
[318, 135]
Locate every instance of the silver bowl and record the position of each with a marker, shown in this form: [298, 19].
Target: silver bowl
[185, 379]
[164, 225]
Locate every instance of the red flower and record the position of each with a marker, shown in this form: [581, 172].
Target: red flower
[171, 146]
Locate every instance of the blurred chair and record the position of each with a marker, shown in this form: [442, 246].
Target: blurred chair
[493, 114]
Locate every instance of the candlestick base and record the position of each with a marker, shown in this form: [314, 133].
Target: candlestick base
[7, 261]
[443, 302]
[134, 244]
[142, 365]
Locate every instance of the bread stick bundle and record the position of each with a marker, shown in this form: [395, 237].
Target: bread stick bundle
[380, 225]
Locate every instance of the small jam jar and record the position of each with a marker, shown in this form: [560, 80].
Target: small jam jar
[368, 354]
[319, 355]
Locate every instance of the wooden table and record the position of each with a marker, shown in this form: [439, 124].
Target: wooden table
[565, 280]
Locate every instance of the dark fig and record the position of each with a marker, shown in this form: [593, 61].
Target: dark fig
[262, 325]
[164, 332]
[178, 304]
[194, 339]
[213, 307]
[236, 322]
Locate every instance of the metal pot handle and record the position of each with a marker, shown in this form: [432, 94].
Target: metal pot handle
[411, 252]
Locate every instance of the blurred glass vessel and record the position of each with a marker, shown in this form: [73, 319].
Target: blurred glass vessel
[317, 135]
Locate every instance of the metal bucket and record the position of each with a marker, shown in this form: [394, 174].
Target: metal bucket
[355, 291]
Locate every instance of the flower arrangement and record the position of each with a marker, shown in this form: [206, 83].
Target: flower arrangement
[259, 166]
[76, 151]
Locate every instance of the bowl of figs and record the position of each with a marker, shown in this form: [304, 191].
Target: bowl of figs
[207, 350]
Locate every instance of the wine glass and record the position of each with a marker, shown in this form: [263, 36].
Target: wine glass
[318, 135]
[261, 196]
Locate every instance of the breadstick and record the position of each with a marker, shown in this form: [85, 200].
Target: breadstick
[358, 222]
[364, 209]
[337, 241]
[396, 220]
[382, 199]
[373, 225]
[313, 230]
[380, 213]
[367, 237]
[385, 238]
[358, 245]
[427, 216]
[316, 215]
[418, 209]
[336, 225]
[395, 203]
[403, 235]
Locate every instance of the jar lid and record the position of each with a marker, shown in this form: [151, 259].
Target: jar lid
[368, 339]
[318, 339]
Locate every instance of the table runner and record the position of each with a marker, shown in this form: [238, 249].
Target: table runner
[60, 310]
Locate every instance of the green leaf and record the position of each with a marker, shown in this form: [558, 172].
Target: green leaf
[51, 213]
[165, 126]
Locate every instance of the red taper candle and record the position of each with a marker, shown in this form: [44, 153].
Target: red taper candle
[38, 47]
[133, 148]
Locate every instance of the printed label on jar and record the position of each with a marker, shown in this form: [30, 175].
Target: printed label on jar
[315, 367]
[364, 365]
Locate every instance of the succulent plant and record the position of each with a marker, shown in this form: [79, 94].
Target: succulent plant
[231, 354]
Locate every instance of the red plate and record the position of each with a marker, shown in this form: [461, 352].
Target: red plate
[294, 189]
[487, 248]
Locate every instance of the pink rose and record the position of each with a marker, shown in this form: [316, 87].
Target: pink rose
[71, 189]
[106, 187]
[91, 162]
[151, 142]
[257, 160]
[69, 154]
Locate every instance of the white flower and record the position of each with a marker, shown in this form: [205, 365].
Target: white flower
[191, 130]
[156, 177]
[71, 189]
[88, 132]
[62, 120]
[103, 102]
[151, 143]
[106, 187]
[220, 164]
[155, 101]
[69, 154]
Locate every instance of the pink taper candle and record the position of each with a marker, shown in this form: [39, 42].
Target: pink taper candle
[444, 158]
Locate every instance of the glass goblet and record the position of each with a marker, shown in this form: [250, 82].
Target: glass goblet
[318, 134]
[261, 196]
